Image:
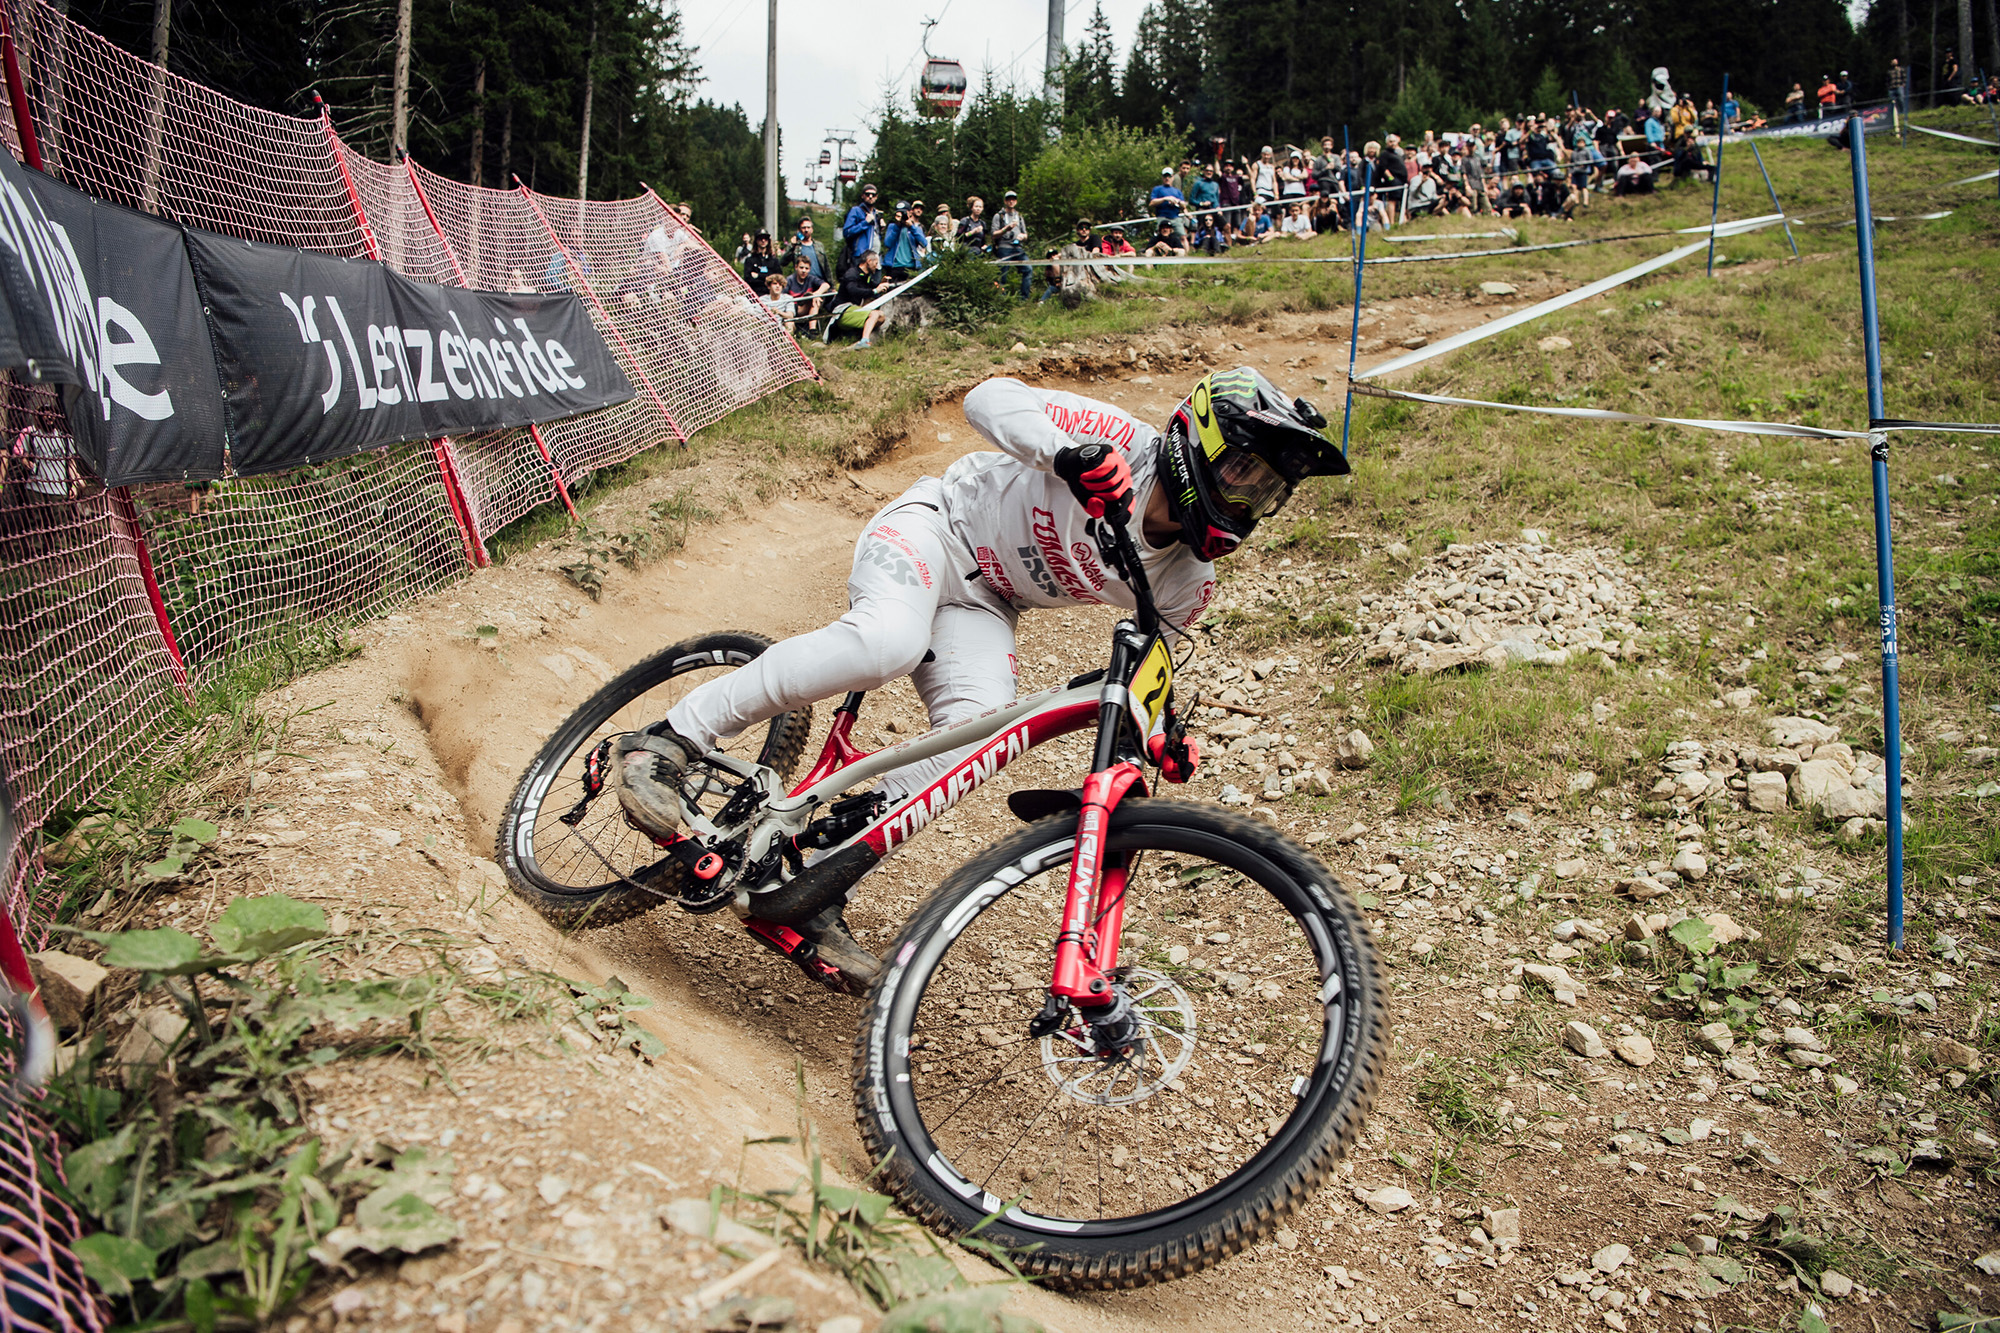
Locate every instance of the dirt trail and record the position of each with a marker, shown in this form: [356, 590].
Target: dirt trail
[401, 775]
[564, 1163]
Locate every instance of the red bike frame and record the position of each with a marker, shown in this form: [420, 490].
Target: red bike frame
[1086, 949]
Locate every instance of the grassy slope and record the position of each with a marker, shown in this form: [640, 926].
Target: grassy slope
[1772, 537]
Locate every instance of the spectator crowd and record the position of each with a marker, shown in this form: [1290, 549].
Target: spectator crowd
[1534, 166]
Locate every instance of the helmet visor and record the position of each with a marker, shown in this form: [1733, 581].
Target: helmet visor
[1246, 487]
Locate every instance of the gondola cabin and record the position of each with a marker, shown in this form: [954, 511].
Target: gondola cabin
[941, 90]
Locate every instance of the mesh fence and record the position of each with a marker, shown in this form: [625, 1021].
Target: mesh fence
[110, 602]
[42, 1287]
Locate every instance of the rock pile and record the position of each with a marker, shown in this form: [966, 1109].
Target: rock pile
[1499, 603]
[1805, 767]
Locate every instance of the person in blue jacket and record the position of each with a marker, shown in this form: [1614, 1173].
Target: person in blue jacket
[905, 246]
[863, 228]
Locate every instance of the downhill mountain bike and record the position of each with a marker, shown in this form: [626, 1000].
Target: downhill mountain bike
[1049, 1054]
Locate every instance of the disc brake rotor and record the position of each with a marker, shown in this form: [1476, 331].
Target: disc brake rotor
[1163, 1014]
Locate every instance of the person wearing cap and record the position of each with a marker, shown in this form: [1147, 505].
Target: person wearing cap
[1827, 94]
[761, 262]
[1205, 192]
[1846, 86]
[863, 228]
[905, 246]
[1113, 245]
[1167, 202]
[1010, 238]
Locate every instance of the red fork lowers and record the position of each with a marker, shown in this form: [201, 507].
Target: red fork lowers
[1087, 948]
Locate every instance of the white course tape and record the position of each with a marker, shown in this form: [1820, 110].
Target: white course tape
[1921, 217]
[1600, 414]
[1584, 293]
[1237, 256]
[1962, 138]
[1974, 180]
[895, 292]
[1941, 427]
[1510, 234]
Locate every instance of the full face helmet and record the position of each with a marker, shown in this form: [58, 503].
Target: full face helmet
[1233, 452]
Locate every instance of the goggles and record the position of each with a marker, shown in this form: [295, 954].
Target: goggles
[1246, 487]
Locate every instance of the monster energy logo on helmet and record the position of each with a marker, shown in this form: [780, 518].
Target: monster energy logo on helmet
[1234, 450]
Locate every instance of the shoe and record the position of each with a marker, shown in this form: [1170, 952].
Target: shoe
[839, 949]
[650, 768]
[865, 342]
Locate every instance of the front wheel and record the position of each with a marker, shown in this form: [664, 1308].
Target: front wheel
[1248, 1077]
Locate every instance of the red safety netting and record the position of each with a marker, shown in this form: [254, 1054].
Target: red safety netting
[111, 602]
[42, 1287]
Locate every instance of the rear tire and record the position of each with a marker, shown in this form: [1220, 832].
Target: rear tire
[562, 869]
[1224, 1117]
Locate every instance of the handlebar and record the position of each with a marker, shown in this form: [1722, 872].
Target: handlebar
[1114, 543]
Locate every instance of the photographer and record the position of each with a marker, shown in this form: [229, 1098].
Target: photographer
[905, 246]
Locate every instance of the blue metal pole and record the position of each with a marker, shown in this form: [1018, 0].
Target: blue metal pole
[1360, 266]
[1774, 198]
[1885, 571]
[1715, 198]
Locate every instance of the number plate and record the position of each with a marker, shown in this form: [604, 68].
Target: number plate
[1147, 692]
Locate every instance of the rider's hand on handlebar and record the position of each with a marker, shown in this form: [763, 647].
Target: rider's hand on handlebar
[1178, 760]
[1099, 478]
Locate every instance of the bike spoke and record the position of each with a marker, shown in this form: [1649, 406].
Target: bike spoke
[1085, 1135]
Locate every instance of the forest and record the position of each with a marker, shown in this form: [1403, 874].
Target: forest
[498, 90]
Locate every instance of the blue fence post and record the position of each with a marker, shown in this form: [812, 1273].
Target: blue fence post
[1885, 569]
[1774, 197]
[1715, 197]
[1360, 264]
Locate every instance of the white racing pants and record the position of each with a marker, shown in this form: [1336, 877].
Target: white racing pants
[916, 607]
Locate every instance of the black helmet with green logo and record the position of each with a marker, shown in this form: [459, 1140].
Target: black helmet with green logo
[1233, 452]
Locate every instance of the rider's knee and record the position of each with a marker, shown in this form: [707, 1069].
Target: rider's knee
[888, 643]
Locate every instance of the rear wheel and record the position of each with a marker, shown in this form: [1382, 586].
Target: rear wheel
[573, 857]
[1097, 1164]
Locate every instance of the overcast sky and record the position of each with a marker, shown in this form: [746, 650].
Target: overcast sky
[834, 60]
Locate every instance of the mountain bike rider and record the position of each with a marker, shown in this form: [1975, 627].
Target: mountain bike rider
[942, 572]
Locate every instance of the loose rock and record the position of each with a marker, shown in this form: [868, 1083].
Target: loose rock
[1634, 1050]
[1582, 1038]
[67, 984]
[1391, 1199]
[1951, 1054]
[1611, 1258]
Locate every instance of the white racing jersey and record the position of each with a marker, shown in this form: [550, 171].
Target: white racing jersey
[1024, 528]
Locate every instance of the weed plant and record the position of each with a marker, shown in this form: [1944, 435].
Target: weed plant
[188, 1149]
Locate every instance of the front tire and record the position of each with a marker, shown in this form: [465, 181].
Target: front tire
[1097, 1172]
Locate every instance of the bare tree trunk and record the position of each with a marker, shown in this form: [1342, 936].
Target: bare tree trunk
[399, 93]
[1903, 33]
[478, 123]
[1992, 37]
[589, 89]
[506, 177]
[1934, 53]
[1968, 61]
[156, 116]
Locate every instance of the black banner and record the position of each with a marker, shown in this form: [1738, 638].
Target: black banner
[118, 287]
[186, 341]
[321, 357]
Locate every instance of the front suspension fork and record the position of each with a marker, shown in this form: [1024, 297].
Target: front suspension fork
[1094, 907]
